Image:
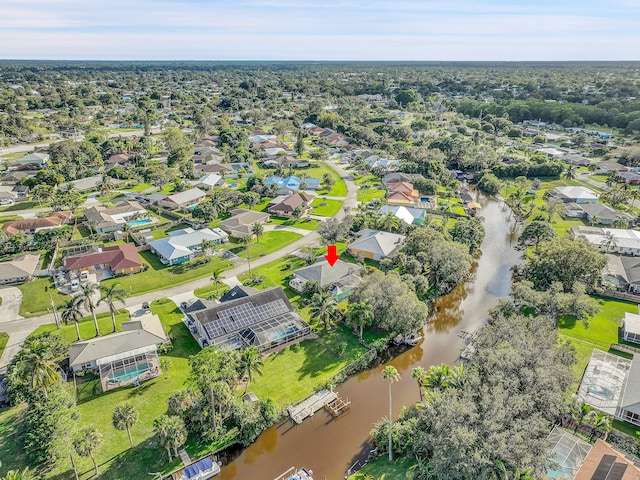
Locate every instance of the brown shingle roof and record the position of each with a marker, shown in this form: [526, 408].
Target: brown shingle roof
[118, 257]
[54, 220]
[600, 452]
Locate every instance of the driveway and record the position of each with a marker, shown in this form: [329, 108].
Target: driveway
[11, 301]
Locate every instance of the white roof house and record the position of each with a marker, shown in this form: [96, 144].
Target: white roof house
[408, 215]
[183, 244]
[208, 181]
[576, 194]
[610, 240]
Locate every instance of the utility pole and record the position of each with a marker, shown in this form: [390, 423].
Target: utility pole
[55, 312]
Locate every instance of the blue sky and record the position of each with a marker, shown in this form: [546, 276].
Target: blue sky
[320, 29]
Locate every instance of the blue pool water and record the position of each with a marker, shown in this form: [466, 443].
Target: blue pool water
[144, 221]
[125, 374]
[234, 185]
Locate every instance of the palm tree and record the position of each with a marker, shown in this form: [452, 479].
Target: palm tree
[126, 228]
[87, 291]
[635, 195]
[215, 278]
[598, 421]
[162, 429]
[620, 222]
[419, 374]
[609, 242]
[43, 372]
[105, 185]
[171, 431]
[577, 411]
[71, 313]
[457, 376]
[257, 230]
[389, 222]
[595, 220]
[360, 314]
[323, 308]
[390, 374]
[570, 172]
[92, 226]
[250, 362]
[110, 295]
[438, 377]
[125, 417]
[87, 443]
[165, 365]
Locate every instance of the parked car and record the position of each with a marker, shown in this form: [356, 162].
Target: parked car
[84, 276]
[75, 285]
[146, 307]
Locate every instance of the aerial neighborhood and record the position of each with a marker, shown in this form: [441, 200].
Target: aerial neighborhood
[201, 254]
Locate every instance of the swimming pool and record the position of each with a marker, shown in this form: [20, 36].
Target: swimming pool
[144, 221]
[233, 185]
[127, 373]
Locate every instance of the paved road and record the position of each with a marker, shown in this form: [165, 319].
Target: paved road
[31, 146]
[18, 329]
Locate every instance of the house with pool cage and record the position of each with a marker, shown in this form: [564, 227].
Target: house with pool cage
[264, 319]
[122, 358]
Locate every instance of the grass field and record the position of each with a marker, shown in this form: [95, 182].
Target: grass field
[35, 297]
[158, 233]
[325, 207]
[268, 243]
[4, 338]
[370, 194]
[86, 326]
[304, 223]
[20, 206]
[380, 468]
[209, 290]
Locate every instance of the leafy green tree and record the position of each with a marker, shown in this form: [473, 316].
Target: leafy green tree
[390, 374]
[405, 97]
[88, 441]
[468, 231]
[299, 146]
[536, 232]
[360, 314]
[110, 295]
[125, 417]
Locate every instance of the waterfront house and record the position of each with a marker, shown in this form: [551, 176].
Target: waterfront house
[375, 244]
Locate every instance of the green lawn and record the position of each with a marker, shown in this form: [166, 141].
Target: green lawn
[268, 243]
[26, 205]
[381, 468]
[370, 194]
[4, 338]
[318, 169]
[158, 276]
[11, 451]
[87, 328]
[209, 290]
[162, 232]
[325, 207]
[369, 180]
[299, 370]
[35, 297]
[141, 187]
[304, 223]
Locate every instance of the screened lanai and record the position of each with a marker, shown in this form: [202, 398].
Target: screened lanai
[129, 367]
[567, 454]
[603, 381]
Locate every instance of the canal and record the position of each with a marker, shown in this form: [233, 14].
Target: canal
[330, 446]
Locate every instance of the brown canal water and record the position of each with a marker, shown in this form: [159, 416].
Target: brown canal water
[331, 446]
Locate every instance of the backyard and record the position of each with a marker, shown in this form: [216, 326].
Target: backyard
[325, 207]
[268, 243]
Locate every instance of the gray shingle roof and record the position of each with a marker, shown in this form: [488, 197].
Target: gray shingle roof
[325, 274]
[631, 397]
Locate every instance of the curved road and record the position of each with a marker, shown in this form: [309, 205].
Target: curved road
[19, 328]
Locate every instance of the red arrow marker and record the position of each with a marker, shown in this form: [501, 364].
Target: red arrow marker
[331, 256]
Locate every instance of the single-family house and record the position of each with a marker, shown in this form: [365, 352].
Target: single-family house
[609, 240]
[607, 166]
[339, 279]
[576, 159]
[19, 270]
[242, 221]
[183, 200]
[628, 408]
[285, 161]
[575, 194]
[118, 159]
[375, 244]
[632, 178]
[182, 245]
[13, 177]
[265, 320]
[591, 211]
[285, 205]
[112, 219]
[398, 177]
[631, 327]
[120, 259]
[293, 184]
[621, 274]
[30, 226]
[123, 358]
[9, 194]
[408, 215]
[208, 181]
[36, 159]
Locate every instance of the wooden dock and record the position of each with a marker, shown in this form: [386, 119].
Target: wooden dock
[338, 406]
[311, 405]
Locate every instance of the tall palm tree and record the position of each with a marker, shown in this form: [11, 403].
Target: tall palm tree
[105, 185]
[43, 373]
[438, 377]
[71, 313]
[85, 297]
[162, 429]
[598, 421]
[250, 362]
[125, 417]
[110, 295]
[419, 374]
[87, 443]
[126, 229]
[257, 230]
[323, 308]
[570, 173]
[635, 195]
[595, 220]
[215, 278]
[171, 431]
[360, 314]
[390, 374]
[457, 376]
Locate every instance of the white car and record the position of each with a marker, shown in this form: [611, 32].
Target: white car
[75, 285]
[84, 276]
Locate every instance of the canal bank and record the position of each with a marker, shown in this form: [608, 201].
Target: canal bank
[328, 445]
